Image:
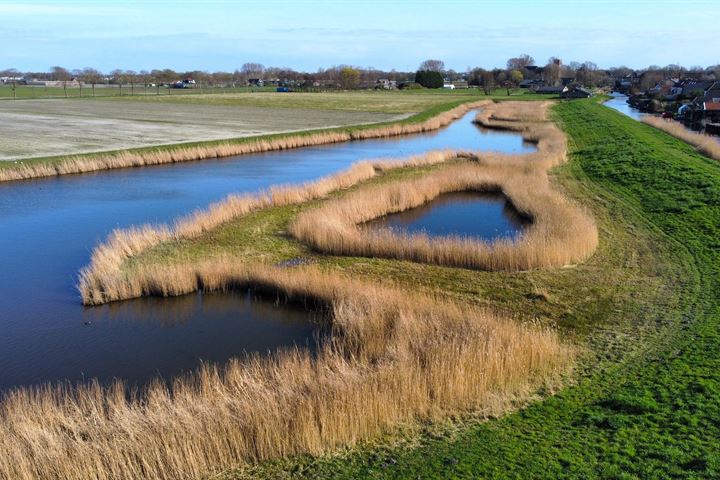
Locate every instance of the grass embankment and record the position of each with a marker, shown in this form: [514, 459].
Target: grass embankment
[429, 119]
[648, 406]
[707, 145]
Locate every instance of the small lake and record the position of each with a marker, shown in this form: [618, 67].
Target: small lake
[485, 216]
[619, 102]
[152, 337]
[49, 227]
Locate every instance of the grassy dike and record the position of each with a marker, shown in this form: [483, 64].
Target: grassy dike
[647, 398]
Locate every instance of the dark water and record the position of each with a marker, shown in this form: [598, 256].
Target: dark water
[487, 216]
[48, 228]
[619, 103]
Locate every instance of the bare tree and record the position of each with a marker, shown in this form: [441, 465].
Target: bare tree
[253, 70]
[91, 76]
[552, 72]
[520, 62]
[60, 74]
[488, 82]
[432, 65]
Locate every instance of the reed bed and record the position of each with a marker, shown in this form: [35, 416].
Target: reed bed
[705, 144]
[560, 233]
[529, 119]
[394, 358]
[104, 279]
[126, 159]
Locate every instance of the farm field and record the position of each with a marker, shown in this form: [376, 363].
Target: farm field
[411, 101]
[47, 130]
[43, 128]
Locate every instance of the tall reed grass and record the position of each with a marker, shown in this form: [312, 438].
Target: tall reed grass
[393, 358]
[529, 119]
[705, 144]
[175, 154]
[104, 279]
[560, 232]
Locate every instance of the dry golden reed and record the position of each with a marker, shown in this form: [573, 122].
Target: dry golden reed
[163, 155]
[560, 232]
[394, 358]
[104, 280]
[705, 144]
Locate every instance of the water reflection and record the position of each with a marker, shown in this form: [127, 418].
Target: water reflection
[140, 339]
[49, 227]
[619, 102]
[487, 216]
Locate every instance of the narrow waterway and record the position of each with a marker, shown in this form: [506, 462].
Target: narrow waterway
[48, 228]
[619, 102]
[484, 216]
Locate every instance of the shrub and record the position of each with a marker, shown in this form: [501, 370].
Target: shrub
[429, 79]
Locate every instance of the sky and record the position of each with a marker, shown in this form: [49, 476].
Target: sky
[216, 35]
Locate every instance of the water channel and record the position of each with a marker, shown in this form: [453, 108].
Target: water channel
[48, 228]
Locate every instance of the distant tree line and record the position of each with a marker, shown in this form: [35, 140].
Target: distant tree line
[432, 73]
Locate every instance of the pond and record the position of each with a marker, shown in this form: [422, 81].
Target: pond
[50, 226]
[485, 216]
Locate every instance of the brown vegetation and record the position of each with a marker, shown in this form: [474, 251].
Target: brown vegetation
[530, 120]
[393, 358]
[560, 233]
[705, 144]
[104, 280]
[124, 159]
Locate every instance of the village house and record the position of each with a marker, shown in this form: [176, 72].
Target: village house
[549, 90]
[711, 104]
[385, 84]
[575, 92]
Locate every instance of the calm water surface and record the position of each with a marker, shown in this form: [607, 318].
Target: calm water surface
[486, 216]
[619, 103]
[48, 228]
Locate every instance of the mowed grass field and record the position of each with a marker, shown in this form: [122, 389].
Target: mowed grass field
[410, 101]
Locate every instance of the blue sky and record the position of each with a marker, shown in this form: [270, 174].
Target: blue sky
[305, 35]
